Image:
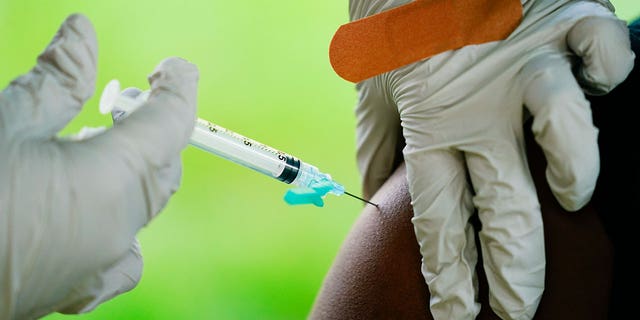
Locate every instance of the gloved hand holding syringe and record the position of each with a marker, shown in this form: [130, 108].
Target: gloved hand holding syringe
[313, 184]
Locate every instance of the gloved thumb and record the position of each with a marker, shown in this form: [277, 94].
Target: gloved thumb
[42, 102]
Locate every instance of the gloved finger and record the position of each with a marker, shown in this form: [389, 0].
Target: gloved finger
[603, 45]
[42, 102]
[119, 278]
[563, 127]
[442, 202]
[379, 137]
[161, 127]
[512, 231]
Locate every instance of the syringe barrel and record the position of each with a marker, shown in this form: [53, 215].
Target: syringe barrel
[247, 152]
[257, 156]
[242, 150]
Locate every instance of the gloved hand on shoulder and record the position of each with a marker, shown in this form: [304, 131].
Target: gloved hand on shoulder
[458, 118]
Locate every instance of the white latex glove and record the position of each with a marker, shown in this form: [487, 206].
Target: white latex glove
[70, 208]
[461, 115]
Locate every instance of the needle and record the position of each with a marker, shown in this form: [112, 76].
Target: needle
[369, 202]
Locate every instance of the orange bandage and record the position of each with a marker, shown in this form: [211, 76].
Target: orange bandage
[385, 41]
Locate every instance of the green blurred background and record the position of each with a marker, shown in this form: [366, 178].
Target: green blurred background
[226, 246]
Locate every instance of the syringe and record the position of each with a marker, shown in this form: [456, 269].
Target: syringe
[242, 150]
